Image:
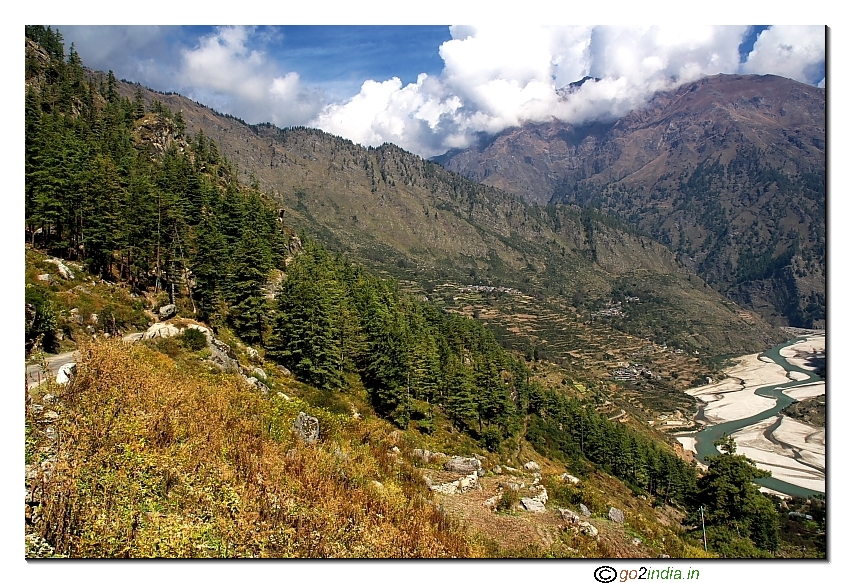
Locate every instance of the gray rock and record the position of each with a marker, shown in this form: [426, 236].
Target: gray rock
[222, 355]
[533, 505]
[584, 509]
[532, 466]
[64, 270]
[570, 478]
[94, 319]
[460, 486]
[257, 384]
[161, 330]
[167, 311]
[616, 515]
[492, 502]
[260, 373]
[588, 529]
[569, 516]
[306, 427]
[45, 277]
[497, 470]
[283, 370]
[462, 465]
[252, 353]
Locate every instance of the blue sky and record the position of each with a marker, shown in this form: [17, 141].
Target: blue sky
[431, 88]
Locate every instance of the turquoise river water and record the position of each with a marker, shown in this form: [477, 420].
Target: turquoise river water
[705, 439]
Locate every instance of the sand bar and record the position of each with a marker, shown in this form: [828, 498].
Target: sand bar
[809, 391]
[734, 397]
[778, 455]
[798, 354]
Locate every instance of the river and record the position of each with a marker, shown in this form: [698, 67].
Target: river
[704, 439]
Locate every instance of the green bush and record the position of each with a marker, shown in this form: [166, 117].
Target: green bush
[193, 339]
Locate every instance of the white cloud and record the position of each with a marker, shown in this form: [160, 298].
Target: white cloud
[223, 71]
[796, 52]
[496, 77]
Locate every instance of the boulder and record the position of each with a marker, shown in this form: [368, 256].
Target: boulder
[45, 277]
[161, 330]
[584, 509]
[543, 495]
[533, 505]
[222, 355]
[260, 373]
[64, 270]
[167, 311]
[532, 466]
[252, 353]
[569, 516]
[468, 483]
[66, 373]
[588, 529]
[462, 465]
[258, 384]
[616, 515]
[306, 427]
[570, 478]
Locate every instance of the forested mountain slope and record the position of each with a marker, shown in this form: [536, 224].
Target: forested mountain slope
[412, 219]
[728, 171]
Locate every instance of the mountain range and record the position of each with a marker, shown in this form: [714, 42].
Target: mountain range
[728, 172]
[415, 220]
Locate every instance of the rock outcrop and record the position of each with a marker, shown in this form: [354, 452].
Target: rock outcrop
[463, 465]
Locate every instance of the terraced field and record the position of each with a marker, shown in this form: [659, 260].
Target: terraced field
[585, 355]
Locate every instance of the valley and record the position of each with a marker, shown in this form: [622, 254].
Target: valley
[745, 406]
[290, 345]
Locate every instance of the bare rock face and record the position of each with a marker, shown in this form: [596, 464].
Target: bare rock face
[306, 427]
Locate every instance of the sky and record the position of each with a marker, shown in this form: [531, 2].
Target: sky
[432, 88]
